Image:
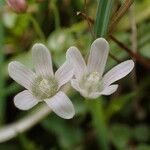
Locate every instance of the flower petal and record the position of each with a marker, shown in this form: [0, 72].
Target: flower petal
[25, 100]
[64, 73]
[61, 105]
[110, 89]
[107, 91]
[75, 57]
[42, 60]
[118, 72]
[98, 56]
[76, 86]
[21, 74]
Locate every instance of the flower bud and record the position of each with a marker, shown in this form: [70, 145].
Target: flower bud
[17, 5]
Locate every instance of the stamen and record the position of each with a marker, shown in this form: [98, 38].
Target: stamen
[91, 82]
[44, 87]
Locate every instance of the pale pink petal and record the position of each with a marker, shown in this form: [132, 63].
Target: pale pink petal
[76, 59]
[42, 60]
[98, 56]
[107, 91]
[64, 73]
[118, 72]
[21, 74]
[76, 86]
[61, 105]
[25, 100]
[110, 89]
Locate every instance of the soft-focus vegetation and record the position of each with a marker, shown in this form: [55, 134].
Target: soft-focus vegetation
[117, 122]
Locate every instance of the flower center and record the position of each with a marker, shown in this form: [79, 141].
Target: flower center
[91, 82]
[93, 77]
[44, 87]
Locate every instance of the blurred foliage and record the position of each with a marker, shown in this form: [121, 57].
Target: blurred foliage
[56, 24]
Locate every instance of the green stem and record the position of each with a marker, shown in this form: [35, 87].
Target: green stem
[56, 14]
[99, 122]
[37, 28]
[2, 81]
[96, 108]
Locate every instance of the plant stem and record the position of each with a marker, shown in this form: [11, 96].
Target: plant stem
[37, 28]
[98, 121]
[96, 108]
[9, 131]
[2, 81]
[56, 14]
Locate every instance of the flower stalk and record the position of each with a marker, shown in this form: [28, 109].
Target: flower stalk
[99, 122]
[101, 27]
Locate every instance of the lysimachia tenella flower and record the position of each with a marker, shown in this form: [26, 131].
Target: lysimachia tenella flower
[43, 84]
[89, 79]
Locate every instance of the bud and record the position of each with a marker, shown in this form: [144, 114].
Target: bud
[17, 5]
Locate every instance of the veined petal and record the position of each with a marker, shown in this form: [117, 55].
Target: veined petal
[25, 100]
[98, 56]
[107, 91]
[75, 57]
[61, 105]
[21, 74]
[64, 73]
[110, 89]
[118, 72]
[76, 86]
[42, 60]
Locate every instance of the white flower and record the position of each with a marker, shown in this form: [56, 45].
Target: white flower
[89, 79]
[43, 84]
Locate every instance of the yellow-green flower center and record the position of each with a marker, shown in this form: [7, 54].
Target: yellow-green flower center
[44, 87]
[91, 82]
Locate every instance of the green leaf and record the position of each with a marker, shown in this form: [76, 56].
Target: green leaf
[103, 14]
[120, 135]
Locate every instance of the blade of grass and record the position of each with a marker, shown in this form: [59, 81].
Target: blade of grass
[2, 82]
[103, 14]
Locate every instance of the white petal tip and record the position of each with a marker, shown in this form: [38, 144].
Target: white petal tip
[70, 116]
[25, 100]
[11, 67]
[36, 45]
[131, 63]
[71, 50]
[61, 105]
[19, 107]
[101, 41]
[11, 64]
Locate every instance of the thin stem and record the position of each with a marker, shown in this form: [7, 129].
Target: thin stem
[136, 56]
[137, 107]
[12, 130]
[99, 122]
[96, 108]
[37, 28]
[56, 14]
[118, 15]
[2, 81]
